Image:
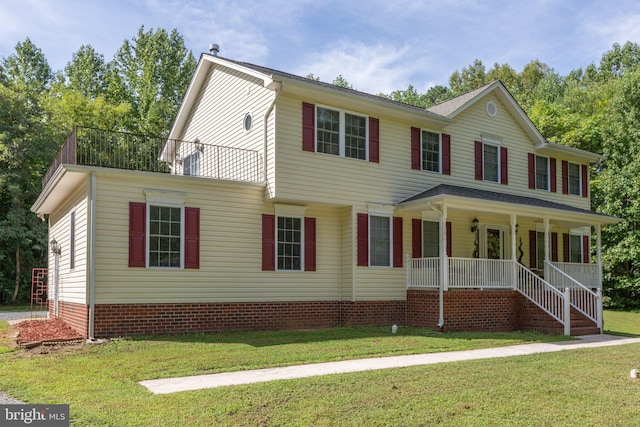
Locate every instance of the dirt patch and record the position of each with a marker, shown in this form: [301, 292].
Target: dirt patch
[31, 333]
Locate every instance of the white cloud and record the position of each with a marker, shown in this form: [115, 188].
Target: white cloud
[368, 68]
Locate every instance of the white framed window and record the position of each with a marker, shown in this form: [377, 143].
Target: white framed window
[575, 179]
[191, 164]
[575, 248]
[380, 240]
[72, 240]
[542, 173]
[165, 231]
[431, 150]
[430, 239]
[341, 133]
[289, 247]
[490, 161]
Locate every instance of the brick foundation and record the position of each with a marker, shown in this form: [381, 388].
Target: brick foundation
[464, 310]
[136, 319]
[74, 314]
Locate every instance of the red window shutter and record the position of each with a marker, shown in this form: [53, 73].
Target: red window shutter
[554, 247]
[363, 240]
[446, 154]
[586, 250]
[268, 242]
[504, 174]
[397, 241]
[565, 246]
[137, 234]
[533, 249]
[416, 238]
[415, 149]
[532, 170]
[449, 236]
[565, 177]
[552, 173]
[374, 140]
[309, 244]
[191, 237]
[308, 127]
[585, 181]
[478, 159]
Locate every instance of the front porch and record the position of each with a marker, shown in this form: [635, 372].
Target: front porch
[454, 253]
[502, 295]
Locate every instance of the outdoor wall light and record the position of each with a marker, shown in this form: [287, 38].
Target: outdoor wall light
[474, 225]
[55, 247]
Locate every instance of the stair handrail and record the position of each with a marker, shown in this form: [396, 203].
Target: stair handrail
[557, 310]
[593, 295]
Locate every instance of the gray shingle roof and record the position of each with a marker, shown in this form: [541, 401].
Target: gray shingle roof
[491, 196]
[271, 71]
[447, 107]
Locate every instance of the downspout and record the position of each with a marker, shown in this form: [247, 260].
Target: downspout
[266, 117]
[441, 288]
[92, 251]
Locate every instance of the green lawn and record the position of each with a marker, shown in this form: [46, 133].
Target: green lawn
[622, 322]
[581, 387]
[21, 307]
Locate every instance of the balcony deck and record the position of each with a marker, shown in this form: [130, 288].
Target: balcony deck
[122, 150]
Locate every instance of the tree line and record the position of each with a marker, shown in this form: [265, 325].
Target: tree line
[596, 108]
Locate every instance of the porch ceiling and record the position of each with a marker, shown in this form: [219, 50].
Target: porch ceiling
[464, 198]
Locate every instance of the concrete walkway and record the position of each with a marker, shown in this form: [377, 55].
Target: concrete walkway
[172, 385]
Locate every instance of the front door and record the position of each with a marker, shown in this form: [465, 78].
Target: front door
[493, 242]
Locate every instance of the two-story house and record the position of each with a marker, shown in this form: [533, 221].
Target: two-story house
[283, 202]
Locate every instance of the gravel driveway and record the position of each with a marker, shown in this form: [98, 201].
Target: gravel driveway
[14, 315]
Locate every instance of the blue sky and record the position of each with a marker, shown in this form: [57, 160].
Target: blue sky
[378, 46]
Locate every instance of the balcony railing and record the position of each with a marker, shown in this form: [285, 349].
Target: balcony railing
[123, 150]
[463, 273]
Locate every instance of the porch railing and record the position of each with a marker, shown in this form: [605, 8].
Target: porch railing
[544, 295]
[123, 150]
[423, 273]
[480, 273]
[463, 273]
[586, 274]
[583, 299]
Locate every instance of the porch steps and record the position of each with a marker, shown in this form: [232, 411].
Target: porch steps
[581, 325]
[531, 317]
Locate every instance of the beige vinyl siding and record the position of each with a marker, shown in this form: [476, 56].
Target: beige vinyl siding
[71, 282]
[347, 253]
[230, 247]
[326, 178]
[217, 118]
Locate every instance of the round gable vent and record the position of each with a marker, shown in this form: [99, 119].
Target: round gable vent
[492, 108]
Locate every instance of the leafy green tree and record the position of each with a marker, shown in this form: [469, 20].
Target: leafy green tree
[27, 70]
[469, 78]
[25, 152]
[151, 73]
[86, 71]
[341, 82]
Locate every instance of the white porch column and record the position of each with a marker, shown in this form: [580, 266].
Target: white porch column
[545, 222]
[599, 254]
[444, 259]
[514, 259]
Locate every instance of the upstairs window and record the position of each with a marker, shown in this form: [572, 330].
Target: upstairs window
[339, 132]
[542, 173]
[490, 161]
[574, 179]
[191, 164]
[430, 151]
